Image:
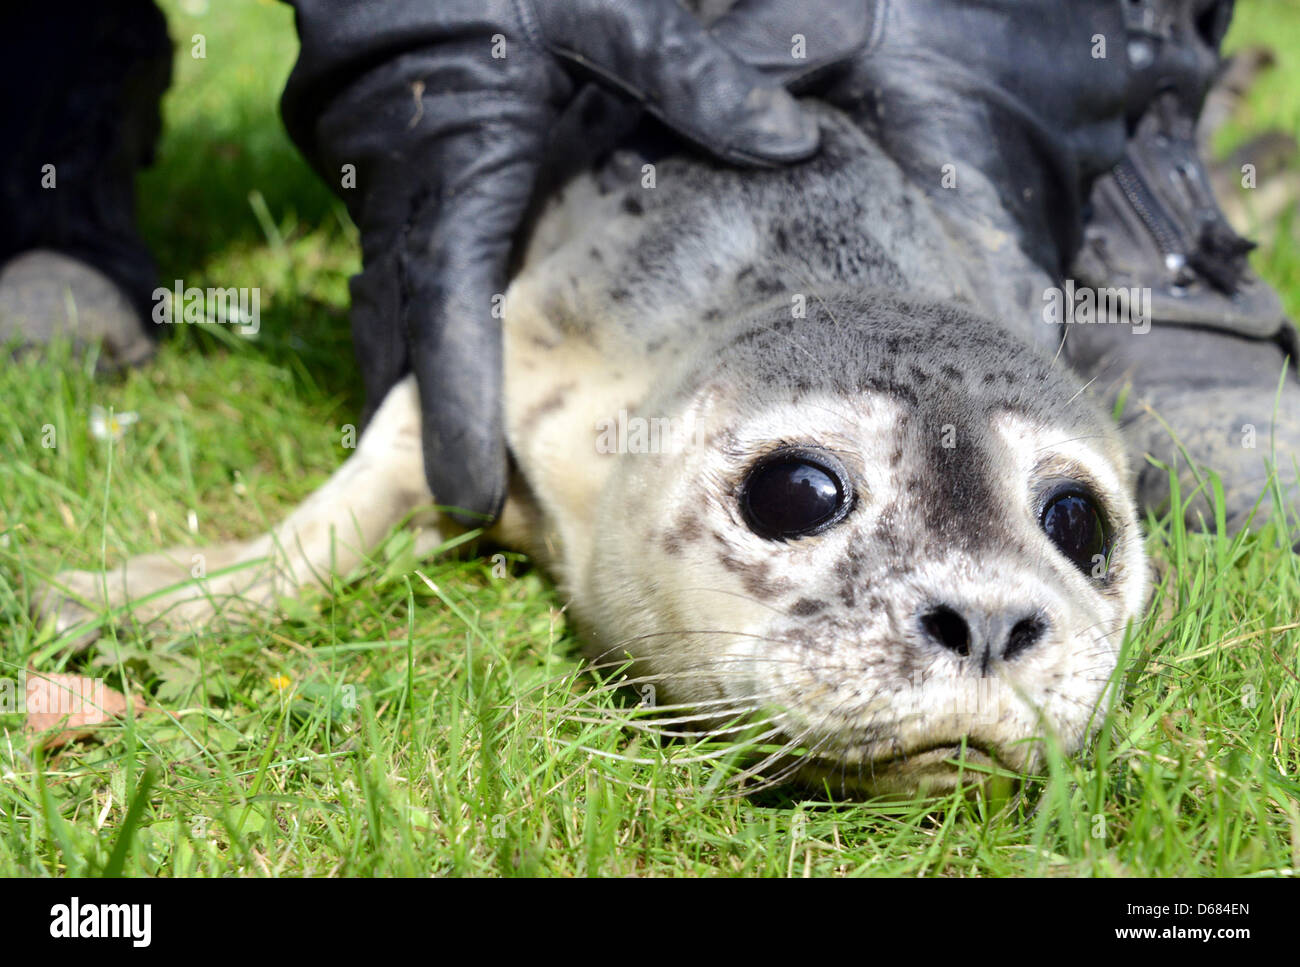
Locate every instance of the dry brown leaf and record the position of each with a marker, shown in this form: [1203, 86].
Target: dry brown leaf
[73, 704]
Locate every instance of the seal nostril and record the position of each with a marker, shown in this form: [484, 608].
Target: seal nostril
[1024, 635]
[948, 628]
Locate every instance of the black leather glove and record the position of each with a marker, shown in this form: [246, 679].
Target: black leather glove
[444, 107]
[1031, 93]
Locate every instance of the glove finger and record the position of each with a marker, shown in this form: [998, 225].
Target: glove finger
[793, 41]
[379, 344]
[453, 278]
[457, 359]
[661, 55]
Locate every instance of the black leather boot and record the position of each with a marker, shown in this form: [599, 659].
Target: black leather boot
[1208, 380]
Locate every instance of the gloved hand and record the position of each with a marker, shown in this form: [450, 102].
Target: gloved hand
[443, 107]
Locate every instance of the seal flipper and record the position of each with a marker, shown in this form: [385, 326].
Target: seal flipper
[328, 534]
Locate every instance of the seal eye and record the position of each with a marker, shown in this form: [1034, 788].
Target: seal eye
[794, 494]
[1073, 523]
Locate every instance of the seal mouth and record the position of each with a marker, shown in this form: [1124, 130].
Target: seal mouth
[931, 768]
[968, 750]
[962, 748]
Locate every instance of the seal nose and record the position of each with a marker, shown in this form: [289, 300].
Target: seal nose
[989, 635]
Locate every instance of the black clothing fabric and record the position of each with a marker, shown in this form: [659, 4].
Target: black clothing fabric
[82, 82]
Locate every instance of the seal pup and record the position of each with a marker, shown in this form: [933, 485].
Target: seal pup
[784, 440]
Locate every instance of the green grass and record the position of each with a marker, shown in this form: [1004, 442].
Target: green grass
[433, 731]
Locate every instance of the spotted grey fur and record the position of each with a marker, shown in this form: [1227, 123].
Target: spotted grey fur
[837, 305]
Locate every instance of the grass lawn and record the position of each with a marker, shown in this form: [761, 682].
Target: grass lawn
[388, 728]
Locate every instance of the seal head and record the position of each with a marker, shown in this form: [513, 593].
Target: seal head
[896, 532]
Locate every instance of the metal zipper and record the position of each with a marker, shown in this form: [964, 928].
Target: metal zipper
[1166, 236]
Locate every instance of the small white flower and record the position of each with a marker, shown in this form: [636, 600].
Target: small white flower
[110, 426]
